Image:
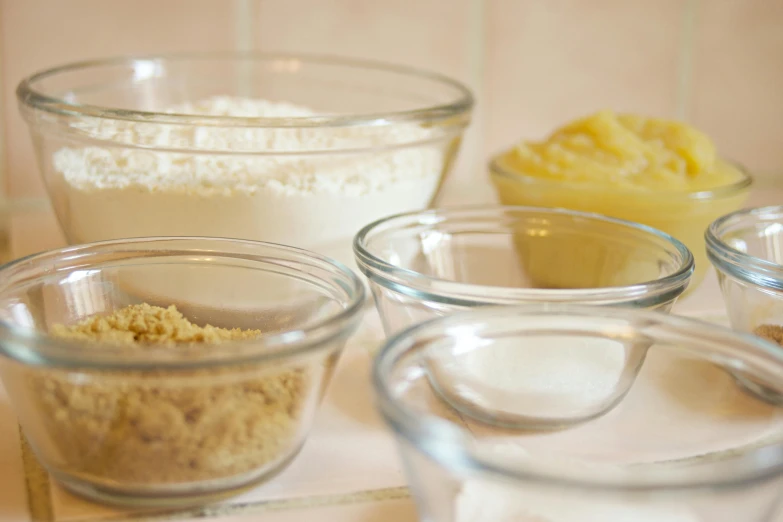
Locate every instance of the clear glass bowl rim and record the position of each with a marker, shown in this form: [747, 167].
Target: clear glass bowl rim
[29, 96]
[428, 433]
[31, 347]
[740, 265]
[496, 169]
[464, 294]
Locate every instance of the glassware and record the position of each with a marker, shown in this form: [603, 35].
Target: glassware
[684, 215]
[685, 444]
[426, 264]
[169, 426]
[746, 248]
[404, 125]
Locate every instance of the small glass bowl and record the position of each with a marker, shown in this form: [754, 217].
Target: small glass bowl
[166, 427]
[746, 248]
[428, 264]
[684, 215]
[425, 264]
[684, 445]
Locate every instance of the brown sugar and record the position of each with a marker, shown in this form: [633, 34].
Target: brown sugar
[166, 426]
[770, 332]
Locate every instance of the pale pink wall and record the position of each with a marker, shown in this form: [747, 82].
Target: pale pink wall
[549, 61]
[737, 80]
[36, 34]
[534, 63]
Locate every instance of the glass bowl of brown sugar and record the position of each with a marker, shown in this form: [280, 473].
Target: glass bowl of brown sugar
[165, 372]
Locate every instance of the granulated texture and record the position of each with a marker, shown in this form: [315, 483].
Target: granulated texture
[162, 426]
[771, 332]
[277, 185]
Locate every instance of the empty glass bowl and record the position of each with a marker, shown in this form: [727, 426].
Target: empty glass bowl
[428, 264]
[684, 445]
[746, 248]
[425, 264]
[182, 424]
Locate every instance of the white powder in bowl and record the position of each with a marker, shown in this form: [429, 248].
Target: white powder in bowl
[484, 501]
[552, 378]
[315, 201]
[479, 502]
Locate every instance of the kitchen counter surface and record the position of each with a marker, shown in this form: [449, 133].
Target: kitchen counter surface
[348, 471]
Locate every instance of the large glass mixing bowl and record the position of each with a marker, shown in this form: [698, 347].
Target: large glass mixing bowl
[125, 150]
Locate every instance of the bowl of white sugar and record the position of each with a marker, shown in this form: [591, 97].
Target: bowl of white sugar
[299, 150]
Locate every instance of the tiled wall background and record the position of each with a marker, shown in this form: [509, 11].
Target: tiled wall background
[532, 63]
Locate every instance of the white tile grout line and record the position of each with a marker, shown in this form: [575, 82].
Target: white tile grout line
[477, 11]
[259, 507]
[471, 158]
[477, 52]
[245, 23]
[41, 504]
[37, 485]
[3, 173]
[685, 61]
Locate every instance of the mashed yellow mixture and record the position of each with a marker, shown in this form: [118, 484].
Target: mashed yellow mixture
[628, 151]
[640, 169]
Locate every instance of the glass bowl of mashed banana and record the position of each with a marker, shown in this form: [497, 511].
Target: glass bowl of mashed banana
[284, 148]
[664, 174]
[137, 394]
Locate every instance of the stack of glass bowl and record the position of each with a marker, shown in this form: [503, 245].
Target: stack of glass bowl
[117, 113]
[556, 411]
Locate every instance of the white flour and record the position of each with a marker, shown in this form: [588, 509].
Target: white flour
[312, 201]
